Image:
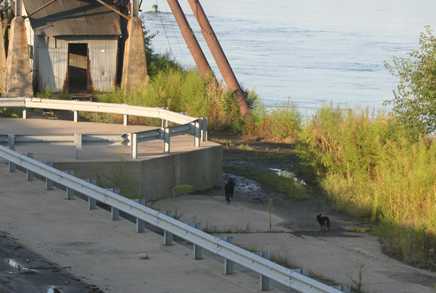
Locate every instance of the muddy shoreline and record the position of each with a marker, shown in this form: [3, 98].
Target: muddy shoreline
[22, 270]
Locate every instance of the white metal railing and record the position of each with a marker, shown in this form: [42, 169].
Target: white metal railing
[197, 127]
[200, 240]
[13, 139]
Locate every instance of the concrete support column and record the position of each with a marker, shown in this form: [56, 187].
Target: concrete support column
[190, 40]
[167, 140]
[18, 68]
[198, 252]
[219, 55]
[125, 119]
[135, 63]
[76, 116]
[167, 238]
[24, 114]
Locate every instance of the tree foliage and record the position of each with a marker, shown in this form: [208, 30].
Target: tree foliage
[415, 95]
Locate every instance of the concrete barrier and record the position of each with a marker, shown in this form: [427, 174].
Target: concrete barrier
[156, 178]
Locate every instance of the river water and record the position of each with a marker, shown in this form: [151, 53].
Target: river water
[308, 53]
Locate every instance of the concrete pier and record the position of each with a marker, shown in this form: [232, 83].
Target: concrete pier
[135, 63]
[18, 68]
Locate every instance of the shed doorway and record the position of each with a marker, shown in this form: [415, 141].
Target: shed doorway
[78, 69]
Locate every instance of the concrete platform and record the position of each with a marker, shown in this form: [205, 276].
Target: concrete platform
[108, 254]
[67, 152]
[154, 175]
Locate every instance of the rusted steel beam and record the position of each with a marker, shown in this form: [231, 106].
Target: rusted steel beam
[219, 55]
[190, 39]
[113, 9]
[41, 8]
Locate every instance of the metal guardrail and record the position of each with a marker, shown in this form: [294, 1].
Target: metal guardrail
[200, 240]
[12, 140]
[79, 106]
[187, 124]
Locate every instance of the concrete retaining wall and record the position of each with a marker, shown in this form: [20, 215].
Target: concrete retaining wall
[155, 178]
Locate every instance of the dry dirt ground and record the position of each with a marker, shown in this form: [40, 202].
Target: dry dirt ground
[341, 255]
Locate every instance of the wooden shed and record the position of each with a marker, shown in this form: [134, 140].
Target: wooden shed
[75, 45]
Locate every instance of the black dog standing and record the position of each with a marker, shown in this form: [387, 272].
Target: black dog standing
[324, 222]
[229, 189]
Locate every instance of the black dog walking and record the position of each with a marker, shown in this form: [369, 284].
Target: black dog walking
[324, 222]
[229, 189]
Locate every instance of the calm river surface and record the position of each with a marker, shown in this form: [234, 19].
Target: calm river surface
[310, 52]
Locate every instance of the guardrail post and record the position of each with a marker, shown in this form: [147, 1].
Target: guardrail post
[92, 203]
[76, 116]
[12, 167]
[204, 126]
[69, 193]
[78, 137]
[198, 252]
[11, 141]
[29, 176]
[164, 124]
[115, 213]
[197, 134]
[140, 226]
[134, 145]
[24, 114]
[48, 184]
[228, 264]
[167, 140]
[264, 282]
[167, 238]
[125, 119]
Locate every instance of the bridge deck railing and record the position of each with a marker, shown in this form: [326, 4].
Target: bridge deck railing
[184, 124]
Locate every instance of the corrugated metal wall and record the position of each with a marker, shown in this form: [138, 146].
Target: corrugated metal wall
[52, 62]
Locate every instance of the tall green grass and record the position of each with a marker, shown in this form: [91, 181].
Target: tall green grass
[183, 91]
[279, 125]
[375, 168]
